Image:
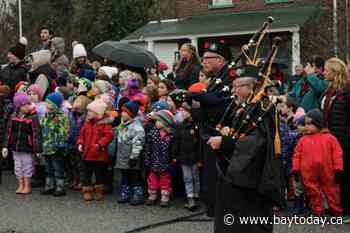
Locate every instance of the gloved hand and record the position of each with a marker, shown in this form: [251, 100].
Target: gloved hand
[296, 175]
[132, 162]
[338, 176]
[38, 155]
[80, 148]
[5, 153]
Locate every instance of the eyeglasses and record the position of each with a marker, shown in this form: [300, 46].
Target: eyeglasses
[209, 57]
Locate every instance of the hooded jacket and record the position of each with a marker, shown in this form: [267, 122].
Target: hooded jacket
[95, 136]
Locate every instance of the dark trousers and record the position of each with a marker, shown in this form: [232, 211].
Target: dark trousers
[344, 186]
[96, 168]
[241, 202]
[131, 177]
[209, 179]
[54, 166]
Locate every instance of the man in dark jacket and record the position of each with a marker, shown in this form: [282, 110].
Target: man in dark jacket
[212, 104]
[249, 169]
[16, 69]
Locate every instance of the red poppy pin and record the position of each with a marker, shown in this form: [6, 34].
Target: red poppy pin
[206, 45]
[232, 73]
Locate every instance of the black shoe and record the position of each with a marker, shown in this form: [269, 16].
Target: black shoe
[150, 202]
[59, 193]
[47, 192]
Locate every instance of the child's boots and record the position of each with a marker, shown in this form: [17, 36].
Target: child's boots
[137, 197]
[26, 186]
[99, 189]
[125, 194]
[20, 185]
[164, 201]
[152, 197]
[191, 204]
[60, 189]
[87, 193]
[49, 186]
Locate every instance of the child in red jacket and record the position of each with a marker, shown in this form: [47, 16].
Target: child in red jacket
[318, 160]
[93, 141]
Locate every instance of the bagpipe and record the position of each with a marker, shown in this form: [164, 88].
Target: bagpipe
[242, 118]
[217, 85]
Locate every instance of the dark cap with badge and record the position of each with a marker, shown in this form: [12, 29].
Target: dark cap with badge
[247, 71]
[218, 48]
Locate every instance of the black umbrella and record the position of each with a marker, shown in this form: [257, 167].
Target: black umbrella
[127, 54]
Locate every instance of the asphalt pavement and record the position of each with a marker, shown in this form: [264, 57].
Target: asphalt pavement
[70, 214]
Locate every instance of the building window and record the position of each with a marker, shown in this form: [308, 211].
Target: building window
[277, 1]
[220, 4]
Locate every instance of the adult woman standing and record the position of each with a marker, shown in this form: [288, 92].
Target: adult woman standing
[336, 108]
[187, 70]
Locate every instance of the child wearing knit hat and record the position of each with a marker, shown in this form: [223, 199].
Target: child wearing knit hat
[23, 139]
[94, 138]
[185, 151]
[36, 94]
[131, 137]
[55, 128]
[76, 118]
[318, 160]
[158, 156]
[175, 100]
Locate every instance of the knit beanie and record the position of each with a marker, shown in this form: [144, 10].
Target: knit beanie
[37, 90]
[164, 116]
[55, 98]
[97, 106]
[87, 73]
[316, 117]
[103, 86]
[160, 105]
[109, 71]
[20, 99]
[79, 51]
[5, 91]
[178, 97]
[19, 50]
[122, 101]
[197, 87]
[131, 108]
[84, 85]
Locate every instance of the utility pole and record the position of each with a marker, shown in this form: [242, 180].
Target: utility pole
[335, 25]
[347, 28]
[20, 17]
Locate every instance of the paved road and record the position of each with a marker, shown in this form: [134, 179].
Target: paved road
[70, 214]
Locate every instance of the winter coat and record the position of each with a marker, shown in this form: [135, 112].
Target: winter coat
[55, 128]
[12, 74]
[184, 79]
[311, 98]
[24, 133]
[95, 137]
[338, 120]
[45, 77]
[289, 139]
[6, 109]
[318, 152]
[185, 148]
[158, 150]
[76, 122]
[130, 139]
[250, 162]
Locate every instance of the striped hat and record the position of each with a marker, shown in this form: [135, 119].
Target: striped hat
[166, 117]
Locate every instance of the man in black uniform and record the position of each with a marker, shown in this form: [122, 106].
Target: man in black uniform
[249, 169]
[212, 103]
